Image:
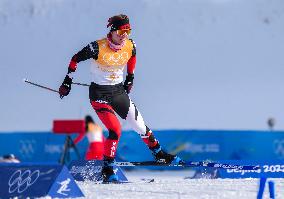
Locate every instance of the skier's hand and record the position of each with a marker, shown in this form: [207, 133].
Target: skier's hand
[128, 83]
[65, 87]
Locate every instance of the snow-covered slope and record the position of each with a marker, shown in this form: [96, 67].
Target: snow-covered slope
[201, 63]
[172, 185]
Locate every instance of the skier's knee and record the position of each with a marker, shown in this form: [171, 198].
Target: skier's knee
[114, 134]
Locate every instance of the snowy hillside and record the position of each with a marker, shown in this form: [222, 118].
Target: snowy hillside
[200, 63]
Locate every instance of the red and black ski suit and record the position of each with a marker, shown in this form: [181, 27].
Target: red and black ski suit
[107, 93]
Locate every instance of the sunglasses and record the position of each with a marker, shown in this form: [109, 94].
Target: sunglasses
[122, 32]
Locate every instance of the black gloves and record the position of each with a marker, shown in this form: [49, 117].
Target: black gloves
[128, 83]
[65, 87]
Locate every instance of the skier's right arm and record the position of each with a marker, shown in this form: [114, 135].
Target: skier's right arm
[88, 52]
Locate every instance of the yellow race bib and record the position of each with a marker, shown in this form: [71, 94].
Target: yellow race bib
[109, 58]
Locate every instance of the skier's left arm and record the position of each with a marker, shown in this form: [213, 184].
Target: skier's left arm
[128, 83]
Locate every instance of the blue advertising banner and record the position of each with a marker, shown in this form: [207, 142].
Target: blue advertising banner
[38, 146]
[189, 144]
[268, 169]
[83, 170]
[37, 180]
[207, 145]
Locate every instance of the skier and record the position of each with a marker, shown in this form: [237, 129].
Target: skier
[95, 136]
[108, 95]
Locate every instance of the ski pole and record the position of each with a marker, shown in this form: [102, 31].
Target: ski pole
[38, 85]
[50, 89]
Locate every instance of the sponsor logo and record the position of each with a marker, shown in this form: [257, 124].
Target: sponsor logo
[197, 148]
[124, 164]
[64, 187]
[27, 148]
[115, 170]
[113, 149]
[113, 77]
[161, 160]
[228, 166]
[53, 148]
[92, 173]
[198, 163]
[102, 101]
[85, 169]
[116, 59]
[243, 172]
[20, 181]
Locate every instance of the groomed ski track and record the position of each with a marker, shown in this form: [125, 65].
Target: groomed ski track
[172, 185]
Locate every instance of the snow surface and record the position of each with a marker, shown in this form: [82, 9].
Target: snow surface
[172, 185]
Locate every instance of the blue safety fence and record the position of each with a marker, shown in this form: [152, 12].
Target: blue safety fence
[189, 144]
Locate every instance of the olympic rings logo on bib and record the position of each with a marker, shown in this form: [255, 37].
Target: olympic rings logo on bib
[116, 59]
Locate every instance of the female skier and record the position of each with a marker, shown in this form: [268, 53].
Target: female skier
[108, 95]
[95, 136]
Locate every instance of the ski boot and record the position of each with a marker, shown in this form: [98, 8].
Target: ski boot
[163, 157]
[107, 172]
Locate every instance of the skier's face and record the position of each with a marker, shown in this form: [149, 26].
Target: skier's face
[117, 38]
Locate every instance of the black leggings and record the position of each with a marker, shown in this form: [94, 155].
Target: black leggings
[110, 99]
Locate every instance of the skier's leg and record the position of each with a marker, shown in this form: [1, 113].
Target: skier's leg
[135, 119]
[109, 119]
[127, 110]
